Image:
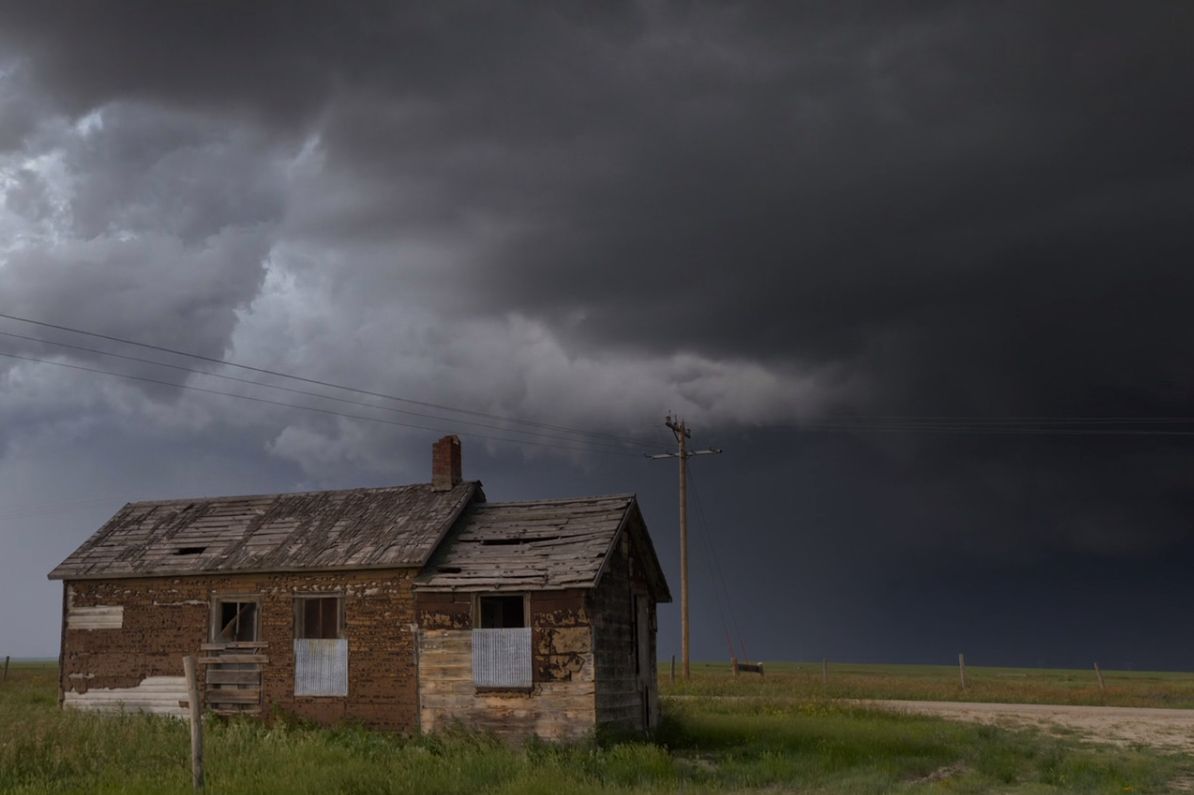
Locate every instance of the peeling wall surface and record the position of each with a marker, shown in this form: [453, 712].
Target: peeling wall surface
[99, 617]
[165, 618]
[560, 704]
[160, 695]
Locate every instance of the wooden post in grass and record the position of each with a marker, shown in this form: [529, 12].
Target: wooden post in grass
[825, 670]
[1099, 674]
[673, 669]
[962, 669]
[188, 666]
[5, 679]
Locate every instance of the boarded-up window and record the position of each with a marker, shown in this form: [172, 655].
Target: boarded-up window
[502, 643]
[502, 658]
[234, 619]
[321, 667]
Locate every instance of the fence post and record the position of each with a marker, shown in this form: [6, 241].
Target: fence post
[734, 665]
[188, 666]
[824, 670]
[962, 669]
[673, 669]
[1099, 674]
[5, 679]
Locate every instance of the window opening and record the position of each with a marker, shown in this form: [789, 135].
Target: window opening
[502, 612]
[318, 618]
[236, 621]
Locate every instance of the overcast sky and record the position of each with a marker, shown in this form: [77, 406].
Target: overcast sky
[763, 217]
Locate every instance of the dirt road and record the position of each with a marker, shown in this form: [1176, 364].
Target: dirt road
[1171, 729]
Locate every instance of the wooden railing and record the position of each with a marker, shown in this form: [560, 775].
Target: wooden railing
[234, 673]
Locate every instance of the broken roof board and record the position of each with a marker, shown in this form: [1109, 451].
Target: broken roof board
[391, 527]
[541, 545]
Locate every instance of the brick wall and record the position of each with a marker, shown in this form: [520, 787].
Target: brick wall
[168, 617]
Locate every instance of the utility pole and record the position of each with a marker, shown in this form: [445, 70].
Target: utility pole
[683, 434]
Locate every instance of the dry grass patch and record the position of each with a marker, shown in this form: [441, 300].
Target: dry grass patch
[796, 743]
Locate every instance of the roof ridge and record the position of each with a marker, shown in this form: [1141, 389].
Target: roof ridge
[276, 494]
[626, 495]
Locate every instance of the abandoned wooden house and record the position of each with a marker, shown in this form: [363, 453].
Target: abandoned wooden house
[406, 607]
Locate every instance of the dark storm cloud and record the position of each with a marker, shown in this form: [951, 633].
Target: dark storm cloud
[912, 190]
[281, 62]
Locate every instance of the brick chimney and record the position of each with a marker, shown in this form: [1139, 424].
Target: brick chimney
[445, 463]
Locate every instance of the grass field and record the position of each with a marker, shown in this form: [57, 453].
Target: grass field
[797, 741]
[941, 683]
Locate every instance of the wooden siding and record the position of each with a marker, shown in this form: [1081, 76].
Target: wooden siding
[167, 618]
[626, 698]
[559, 705]
[398, 526]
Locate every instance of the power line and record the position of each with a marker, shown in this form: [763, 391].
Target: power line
[938, 424]
[1025, 430]
[317, 382]
[989, 419]
[312, 408]
[292, 390]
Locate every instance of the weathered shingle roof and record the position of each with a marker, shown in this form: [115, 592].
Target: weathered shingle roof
[397, 526]
[542, 544]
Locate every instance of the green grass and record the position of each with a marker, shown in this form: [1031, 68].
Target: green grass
[809, 744]
[941, 683]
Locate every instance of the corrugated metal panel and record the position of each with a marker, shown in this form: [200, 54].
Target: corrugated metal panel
[502, 657]
[321, 667]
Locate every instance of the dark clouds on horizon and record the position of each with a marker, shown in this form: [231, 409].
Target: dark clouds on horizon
[752, 214]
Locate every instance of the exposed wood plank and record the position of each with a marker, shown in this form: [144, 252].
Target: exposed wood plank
[220, 697]
[227, 676]
[236, 644]
[235, 658]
